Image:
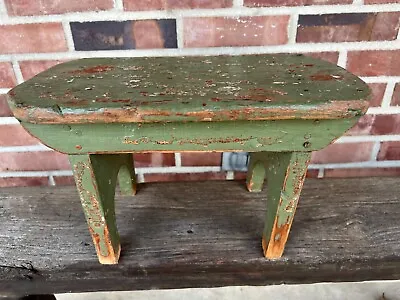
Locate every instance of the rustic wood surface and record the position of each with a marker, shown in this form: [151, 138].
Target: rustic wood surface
[204, 234]
[170, 89]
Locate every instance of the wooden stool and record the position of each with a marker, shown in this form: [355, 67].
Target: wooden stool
[277, 107]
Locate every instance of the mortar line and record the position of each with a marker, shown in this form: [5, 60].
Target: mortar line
[342, 60]
[4, 90]
[381, 79]
[119, 5]
[237, 3]
[391, 110]
[289, 48]
[352, 165]
[68, 36]
[234, 11]
[387, 96]
[17, 71]
[230, 175]
[35, 173]
[375, 151]
[178, 160]
[179, 32]
[292, 28]
[367, 138]
[140, 177]
[3, 9]
[8, 121]
[51, 180]
[29, 148]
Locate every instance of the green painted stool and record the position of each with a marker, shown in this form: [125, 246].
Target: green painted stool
[277, 107]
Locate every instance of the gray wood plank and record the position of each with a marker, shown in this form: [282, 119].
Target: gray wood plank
[202, 234]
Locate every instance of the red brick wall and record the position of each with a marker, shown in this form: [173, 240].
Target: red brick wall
[360, 35]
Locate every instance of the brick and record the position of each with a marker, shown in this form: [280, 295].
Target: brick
[155, 159]
[389, 151]
[16, 135]
[114, 35]
[25, 38]
[331, 57]
[386, 124]
[24, 181]
[201, 159]
[363, 126]
[33, 161]
[144, 4]
[239, 175]
[48, 7]
[396, 95]
[313, 173]
[378, 90]
[243, 31]
[184, 177]
[174, 4]
[260, 3]
[374, 62]
[7, 77]
[30, 68]
[348, 27]
[64, 180]
[361, 172]
[4, 108]
[343, 153]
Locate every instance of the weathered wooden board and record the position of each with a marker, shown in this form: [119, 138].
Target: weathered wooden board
[171, 89]
[203, 234]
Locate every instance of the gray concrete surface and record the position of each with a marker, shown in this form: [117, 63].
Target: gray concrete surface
[372, 290]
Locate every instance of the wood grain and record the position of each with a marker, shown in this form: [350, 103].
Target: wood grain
[203, 234]
[181, 89]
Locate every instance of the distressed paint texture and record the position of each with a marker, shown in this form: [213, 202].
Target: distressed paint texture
[251, 136]
[256, 172]
[101, 110]
[174, 89]
[285, 174]
[95, 178]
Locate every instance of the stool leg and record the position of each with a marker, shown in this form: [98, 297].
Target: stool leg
[285, 174]
[95, 177]
[126, 175]
[256, 172]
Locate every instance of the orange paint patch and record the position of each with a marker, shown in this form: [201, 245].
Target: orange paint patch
[96, 69]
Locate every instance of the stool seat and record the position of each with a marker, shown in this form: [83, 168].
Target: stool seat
[181, 89]
[277, 107]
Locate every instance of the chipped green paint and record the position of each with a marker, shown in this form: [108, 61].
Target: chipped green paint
[278, 107]
[252, 136]
[286, 172]
[95, 177]
[176, 89]
[256, 171]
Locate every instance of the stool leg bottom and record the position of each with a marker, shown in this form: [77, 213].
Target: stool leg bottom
[285, 174]
[256, 172]
[95, 177]
[127, 176]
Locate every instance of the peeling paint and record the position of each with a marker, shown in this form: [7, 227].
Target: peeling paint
[249, 87]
